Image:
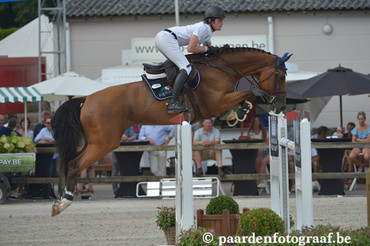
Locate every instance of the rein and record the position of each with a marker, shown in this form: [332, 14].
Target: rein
[266, 97]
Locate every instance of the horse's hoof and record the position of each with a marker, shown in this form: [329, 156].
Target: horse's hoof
[230, 116]
[55, 208]
[241, 115]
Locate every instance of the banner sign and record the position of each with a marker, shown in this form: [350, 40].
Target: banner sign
[297, 140]
[143, 49]
[274, 141]
[20, 162]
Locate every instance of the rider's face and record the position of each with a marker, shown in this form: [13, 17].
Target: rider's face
[217, 24]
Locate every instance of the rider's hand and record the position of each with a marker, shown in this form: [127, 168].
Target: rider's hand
[212, 50]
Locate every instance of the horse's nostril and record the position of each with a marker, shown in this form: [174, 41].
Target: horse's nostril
[282, 108]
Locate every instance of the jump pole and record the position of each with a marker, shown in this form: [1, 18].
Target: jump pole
[303, 171]
[184, 178]
[279, 175]
[279, 168]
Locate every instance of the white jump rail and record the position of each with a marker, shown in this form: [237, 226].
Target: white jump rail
[166, 188]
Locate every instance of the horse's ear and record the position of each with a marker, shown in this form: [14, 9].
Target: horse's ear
[286, 57]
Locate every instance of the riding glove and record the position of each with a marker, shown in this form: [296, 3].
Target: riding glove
[212, 50]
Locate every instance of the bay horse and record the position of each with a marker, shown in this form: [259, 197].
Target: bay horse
[101, 118]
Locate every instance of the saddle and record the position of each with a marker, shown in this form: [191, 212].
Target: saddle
[160, 78]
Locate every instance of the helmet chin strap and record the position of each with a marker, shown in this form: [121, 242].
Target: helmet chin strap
[213, 29]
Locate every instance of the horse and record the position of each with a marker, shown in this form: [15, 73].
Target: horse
[101, 118]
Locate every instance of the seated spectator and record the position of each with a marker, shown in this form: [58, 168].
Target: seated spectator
[258, 131]
[11, 127]
[338, 133]
[23, 128]
[361, 133]
[2, 120]
[207, 135]
[11, 115]
[350, 126]
[40, 125]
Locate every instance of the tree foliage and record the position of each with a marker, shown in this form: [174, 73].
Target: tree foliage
[17, 14]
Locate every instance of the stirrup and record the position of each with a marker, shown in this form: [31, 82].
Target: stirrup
[176, 108]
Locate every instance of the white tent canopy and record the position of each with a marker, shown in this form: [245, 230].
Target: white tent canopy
[67, 85]
[20, 94]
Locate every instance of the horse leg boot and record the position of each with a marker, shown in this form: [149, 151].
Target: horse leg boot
[174, 105]
[66, 201]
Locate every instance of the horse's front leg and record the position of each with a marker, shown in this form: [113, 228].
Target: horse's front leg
[232, 99]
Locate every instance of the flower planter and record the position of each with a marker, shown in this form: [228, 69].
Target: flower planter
[17, 162]
[170, 234]
[224, 224]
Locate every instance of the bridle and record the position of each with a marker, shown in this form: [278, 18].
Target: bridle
[266, 97]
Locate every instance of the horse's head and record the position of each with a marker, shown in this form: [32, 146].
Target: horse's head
[272, 82]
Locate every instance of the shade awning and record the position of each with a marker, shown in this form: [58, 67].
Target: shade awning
[20, 94]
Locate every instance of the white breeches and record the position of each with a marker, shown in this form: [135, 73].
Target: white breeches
[169, 47]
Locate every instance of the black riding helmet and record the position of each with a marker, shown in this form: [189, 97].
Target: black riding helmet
[214, 12]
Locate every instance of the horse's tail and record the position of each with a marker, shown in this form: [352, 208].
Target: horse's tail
[68, 130]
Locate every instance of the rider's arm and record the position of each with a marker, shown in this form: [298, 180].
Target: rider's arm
[193, 45]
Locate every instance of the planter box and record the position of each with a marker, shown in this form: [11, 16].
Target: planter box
[224, 224]
[19, 162]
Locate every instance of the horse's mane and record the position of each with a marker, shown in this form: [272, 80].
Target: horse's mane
[227, 48]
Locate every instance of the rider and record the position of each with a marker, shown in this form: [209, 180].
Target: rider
[168, 42]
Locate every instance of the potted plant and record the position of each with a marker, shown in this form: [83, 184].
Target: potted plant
[222, 215]
[166, 220]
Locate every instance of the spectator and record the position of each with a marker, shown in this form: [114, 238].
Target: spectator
[40, 125]
[207, 135]
[11, 127]
[2, 120]
[129, 135]
[46, 136]
[11, 115]
[157, 135]
[361, 133]
[23, 128]
[350, 126]
[322, 132]
[258, 131]
[338, 133]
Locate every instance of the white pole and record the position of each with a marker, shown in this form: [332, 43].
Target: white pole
[279, 167]
[184, 179]
[270, 21]
[303, 177]
[177, 14]
[25, 120]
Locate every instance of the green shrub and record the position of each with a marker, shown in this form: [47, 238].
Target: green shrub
[6, 32]
[261, 221]
[221, 202]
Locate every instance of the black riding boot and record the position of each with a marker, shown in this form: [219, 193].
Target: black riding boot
[174, 105]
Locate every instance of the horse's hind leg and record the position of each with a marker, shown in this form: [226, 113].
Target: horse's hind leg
[93, 153]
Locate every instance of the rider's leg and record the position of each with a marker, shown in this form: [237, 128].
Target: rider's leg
[170, 48]
[174, 105]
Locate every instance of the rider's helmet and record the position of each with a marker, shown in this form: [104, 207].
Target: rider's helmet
[214, 12]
